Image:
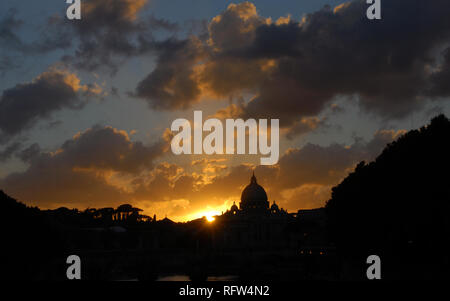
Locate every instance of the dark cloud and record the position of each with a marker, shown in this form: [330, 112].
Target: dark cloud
[295, 69]
[340, 52]
[107, 29]
[108, 149]
[306, 174]
[6, 64]
[315, 164]
[306, 125]
[9, 151]
[307, 196]
[440, 79]
[27, 154]
[82, 170]
[111, 31]
[9, 24]
[53, 36]
[23, 105]
[173, 83]
[157, 23]
[53, 124]
[235, 26]
[9, 41]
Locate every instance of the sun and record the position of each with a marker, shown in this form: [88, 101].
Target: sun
[210, 218]
[210, 215]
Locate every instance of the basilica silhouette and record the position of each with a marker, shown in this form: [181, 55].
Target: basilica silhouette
[254, 224]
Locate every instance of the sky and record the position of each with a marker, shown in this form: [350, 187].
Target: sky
[86, 105]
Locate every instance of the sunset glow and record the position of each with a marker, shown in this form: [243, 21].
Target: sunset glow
[225, 140]
[64, 141]
[209, 215]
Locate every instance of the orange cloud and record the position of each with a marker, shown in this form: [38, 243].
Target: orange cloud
[121, 9]
[103, 167]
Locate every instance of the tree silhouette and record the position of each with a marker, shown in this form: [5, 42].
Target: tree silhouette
[398, 205]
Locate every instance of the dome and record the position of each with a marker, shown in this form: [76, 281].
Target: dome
[234, 208]
[274, 207]
[254, 196]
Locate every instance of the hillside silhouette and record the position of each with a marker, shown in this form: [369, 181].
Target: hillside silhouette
[397, 206]
[30, 239]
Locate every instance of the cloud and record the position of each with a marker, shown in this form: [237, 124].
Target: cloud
[103, 167]
[307, 196]
[10, 150]
[440, 78]
[52, 37]
[29, 153]
[8, 36]
[97, 166]
[305, 125]
[294, 69]
[10, 42]
[235, 26]
[111, 31]
[329, 54]
[106, 148]
[315, 164]
[380, 140]
[302, 178]
[24, 105]
[173, 83]
[193, 68]
[107, 29]
[232, 111]
[286, 68]
[6, 64]
[308, 173]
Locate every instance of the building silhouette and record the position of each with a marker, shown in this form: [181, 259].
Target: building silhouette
[254, 224]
